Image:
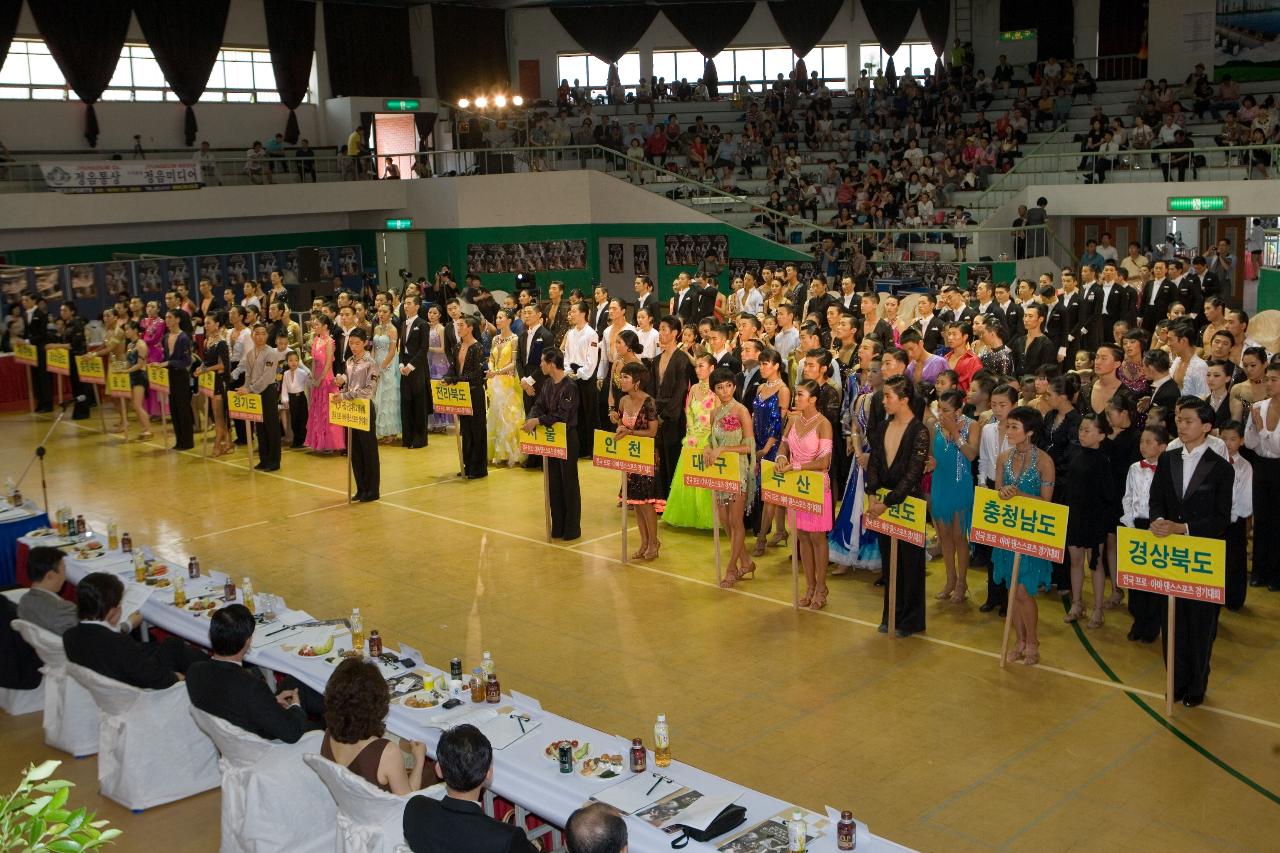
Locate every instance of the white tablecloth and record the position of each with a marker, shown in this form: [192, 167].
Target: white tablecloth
[521, 772]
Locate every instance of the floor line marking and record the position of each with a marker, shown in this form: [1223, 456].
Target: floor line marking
[572, 548]
[220, 532]
[579, 543]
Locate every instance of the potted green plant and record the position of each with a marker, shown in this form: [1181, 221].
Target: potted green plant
[35, 818]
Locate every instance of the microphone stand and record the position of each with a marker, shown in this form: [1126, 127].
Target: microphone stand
[40, 454]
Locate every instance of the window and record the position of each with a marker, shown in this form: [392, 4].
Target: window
[916, 55]
[594, 73]
[239, 75]
[760, 65]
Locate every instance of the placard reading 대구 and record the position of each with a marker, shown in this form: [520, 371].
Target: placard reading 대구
[91, 369]
[798, 490]
[1026, 525]
[451, 399]
[245, 407]
[546, 441]
[723, 475]
[903, 521]
[1190, 567]
[354, 414]
[630, 453]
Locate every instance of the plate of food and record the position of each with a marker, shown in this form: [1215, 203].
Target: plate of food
[601, 767]
[316, 650]
[421, 700]
[158, 583]
[580, 751]
[200, 605]
[88, 554]
[41, 532]
[155, 570]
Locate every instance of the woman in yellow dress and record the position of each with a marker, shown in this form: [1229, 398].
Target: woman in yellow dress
[687, 506]
[506, 410]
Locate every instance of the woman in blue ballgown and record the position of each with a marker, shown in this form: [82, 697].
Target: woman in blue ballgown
[386, 352]
[954, 447]
[773, 398]
[1024, 469]
[848, 543]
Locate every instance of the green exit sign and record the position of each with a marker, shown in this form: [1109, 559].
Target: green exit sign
[399, 224]
[402, 105]
[1197, 203]
[1017, 35]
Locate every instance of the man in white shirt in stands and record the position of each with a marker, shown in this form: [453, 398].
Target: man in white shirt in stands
[1189, 370]
[1106, 248]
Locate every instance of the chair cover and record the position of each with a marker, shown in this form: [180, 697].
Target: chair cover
[369, 819]
[269, 802]
[13, 700]
[70, 714]
[150, 751]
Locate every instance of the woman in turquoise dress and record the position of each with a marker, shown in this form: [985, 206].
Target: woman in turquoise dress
[772, 399]
[955, 446]
[1024, 469]
[731, 433]
[386, 352]
[688, 506]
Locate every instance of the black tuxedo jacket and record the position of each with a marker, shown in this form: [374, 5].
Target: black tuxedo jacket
[685, 306]
[730, 362]
[1071, 305]
[1096, 317]
[1152, 314]
[117, 656]
[529, 358]
[820, 305]
[1205, 506]
[235, 694]
[413, 346]
[745, 388]
[1166, 396]
[37, 330]
[650, 302]
[1191, 294]
[932, 333]
[600, 319]
[341, 350]
[706, 302]
[1012, 319]
[960, 315]
[673, 387]
[1209, 284]
[1055, 324]
[449, 825]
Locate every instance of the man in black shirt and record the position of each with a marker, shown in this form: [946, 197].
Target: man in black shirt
[557, 406]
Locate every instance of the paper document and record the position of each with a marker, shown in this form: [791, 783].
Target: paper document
[505, 729]
[135, 595]
[637, 792]
[700, 814]
[462, 714]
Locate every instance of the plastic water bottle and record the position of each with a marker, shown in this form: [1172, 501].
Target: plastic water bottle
[357, 630]
[797, 831]
[486, 665]
[661, 742]
[9, 489]
[246, 592]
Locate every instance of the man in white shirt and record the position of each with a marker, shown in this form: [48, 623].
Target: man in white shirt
[1241, 509]
[582, 361]
[1189, 370]
[1106, 248]
[991, 444]
[788, 337]
[848, 297]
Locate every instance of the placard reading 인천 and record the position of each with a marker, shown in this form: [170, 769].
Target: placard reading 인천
[630, 453]
[1192, 567]
[1025, 525]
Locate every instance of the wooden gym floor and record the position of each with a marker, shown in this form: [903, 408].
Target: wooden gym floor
[926, 739]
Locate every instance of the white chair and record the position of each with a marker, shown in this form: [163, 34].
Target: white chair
[150, 751]
[369, 819]
[13, 701]
[70, 715]
[269, 802]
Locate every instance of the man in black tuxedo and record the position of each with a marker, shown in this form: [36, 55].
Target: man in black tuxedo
[1191, 495]
[646, 299]
[707, 291]
[749, 378]
[415, 401]
[957, 310]
[599, 318]
[1055, 317]
[1188, 291]
[535, 338]
[35, 331]
[672, 374]
[1164, 391]
[818, 302]
[1156, 297]
[1104, 303]
[718, 344]
[223, 687]
[684, 300]
[929, 324]
[1209, 283]
[984, 301]
[464, 759]
[98, 644]
[1011, 310]
[342, 329]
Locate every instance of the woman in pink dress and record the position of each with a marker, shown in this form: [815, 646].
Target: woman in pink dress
[322, 435]
[152, 326]
[806, 446]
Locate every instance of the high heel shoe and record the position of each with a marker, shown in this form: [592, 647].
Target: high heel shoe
[1074, 614]
[1032, 656]
[1015, 654]
[808, 597]
[639, 554]
[1115, 600]
[759, 549]
[731, 578]
[944, 594]
[144, 436]
[959, 596]
[652, 553]
[1095, 620]
[819, 600]
[780, 539]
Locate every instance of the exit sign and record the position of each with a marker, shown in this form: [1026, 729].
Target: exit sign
[1017, 35]
[401, 105]
[399, 224]
[1197, 203]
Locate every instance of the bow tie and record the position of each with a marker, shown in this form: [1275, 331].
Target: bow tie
[1150, 466]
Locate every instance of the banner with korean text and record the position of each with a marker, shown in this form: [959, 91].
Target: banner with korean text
[451, 399]
[58, 360]
[903, 521]
[545, 441]
[354, 414]
[798, 490]
[121, 176]
[1025, 525]
[91, 369]
[245, 407]
[1190, 567]
[118, 384]
[26, 354]
[630, 453]
[158, 378]
[723, 475]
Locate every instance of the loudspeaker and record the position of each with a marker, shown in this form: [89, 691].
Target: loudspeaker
[308, 265]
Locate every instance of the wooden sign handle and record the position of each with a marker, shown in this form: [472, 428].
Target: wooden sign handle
[893, 587]
[1170, 660]
[1008, 618]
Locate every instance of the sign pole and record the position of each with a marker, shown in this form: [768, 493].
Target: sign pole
[248, 431]
[31, 390]
[546, 492]
[164, 418]
[349, 474]
[715, 535]
[795, 560]
[1008, 618]
[624, 518]
[893, 587]
[1170, 661]
[102, 414]
[457, 432]
[208, 413]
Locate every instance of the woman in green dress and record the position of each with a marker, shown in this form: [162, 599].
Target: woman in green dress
[731, 433]
[688, 506]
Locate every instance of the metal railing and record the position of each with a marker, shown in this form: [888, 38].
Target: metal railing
[1004, 184]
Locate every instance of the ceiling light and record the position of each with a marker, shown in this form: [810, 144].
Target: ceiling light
[482, 102]
[464, 103]
[500, 101]
[517, 100]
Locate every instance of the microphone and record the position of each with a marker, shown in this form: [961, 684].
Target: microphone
[78, 399]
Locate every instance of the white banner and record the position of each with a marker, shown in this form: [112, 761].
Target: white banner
[122, 176]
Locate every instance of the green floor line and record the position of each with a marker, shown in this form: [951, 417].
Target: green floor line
[1160, 718]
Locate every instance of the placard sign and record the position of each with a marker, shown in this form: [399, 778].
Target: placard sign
[208, 383]
[903, 521]
[58, 360]
[91, 369]
[118, 384]
[245, 407]
[630, 453]
[158, 378]
[1191, 567]
[723, 475]
[451, 399]
[26, 354]
[546, 441]
[353, 414]
[1026, 525]
[798, 490]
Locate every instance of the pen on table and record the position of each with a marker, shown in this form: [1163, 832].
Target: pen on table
[520, 718]
[278, 630]
[661, 779]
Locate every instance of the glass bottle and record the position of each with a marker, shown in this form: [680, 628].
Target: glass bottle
[139, 568]
[82, 528]
[126, 543]
[477, 688]
[229, 590]
[193, 568]
[375, 643]
[357, 630]
[113, 536]
[246, 593]
[179, 591]
[492, 691]
[661, 742]
[638, 756]
[846, 832]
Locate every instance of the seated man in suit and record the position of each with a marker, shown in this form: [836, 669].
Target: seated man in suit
[43, 604]
[98, 644]
[464, 759]
[222, 686]
[596, 828]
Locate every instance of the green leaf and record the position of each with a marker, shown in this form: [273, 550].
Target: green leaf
[76, 819]
[42, 772]
[59, 799]
[66, 846]
[37, 806]
[53, 785]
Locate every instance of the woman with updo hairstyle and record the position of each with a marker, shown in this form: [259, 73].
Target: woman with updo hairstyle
[627, 349]
[636, 413]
